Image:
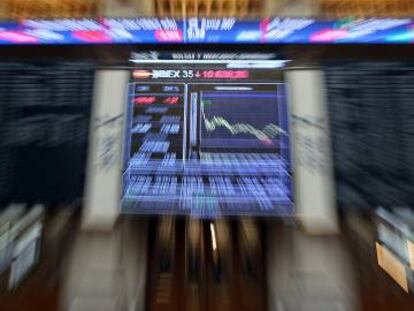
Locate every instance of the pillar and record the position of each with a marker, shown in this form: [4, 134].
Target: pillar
[104, 167]
[315, 198]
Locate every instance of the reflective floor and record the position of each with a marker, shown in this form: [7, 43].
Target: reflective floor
[172, 263]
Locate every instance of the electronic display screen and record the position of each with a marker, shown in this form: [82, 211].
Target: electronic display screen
[207, 140]
[281, 30]
[91, 31]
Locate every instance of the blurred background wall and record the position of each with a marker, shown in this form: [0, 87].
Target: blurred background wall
[17, 9]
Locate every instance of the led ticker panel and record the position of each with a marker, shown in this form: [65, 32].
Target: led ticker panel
[207, 144]
[206, 74]
[207, 30]
[90, 31]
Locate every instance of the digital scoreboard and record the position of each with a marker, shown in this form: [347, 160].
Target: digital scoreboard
[207, 140]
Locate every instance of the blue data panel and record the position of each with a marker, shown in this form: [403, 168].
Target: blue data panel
[145, 30]
[388, 30]
[207, 141]
[299, 30]
[278, 30]
[89, 31]
[222, 30]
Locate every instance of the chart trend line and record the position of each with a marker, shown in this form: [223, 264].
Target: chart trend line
[269, 131]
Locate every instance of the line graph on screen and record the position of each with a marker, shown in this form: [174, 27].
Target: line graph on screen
[230, 118]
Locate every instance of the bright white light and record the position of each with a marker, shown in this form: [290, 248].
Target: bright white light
[213, 236]
[233, 88]
[229, 63]
[263, 64]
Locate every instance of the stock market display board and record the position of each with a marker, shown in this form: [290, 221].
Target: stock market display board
[44, 121]
[207, 140]
[276, 30]
[371, 116]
